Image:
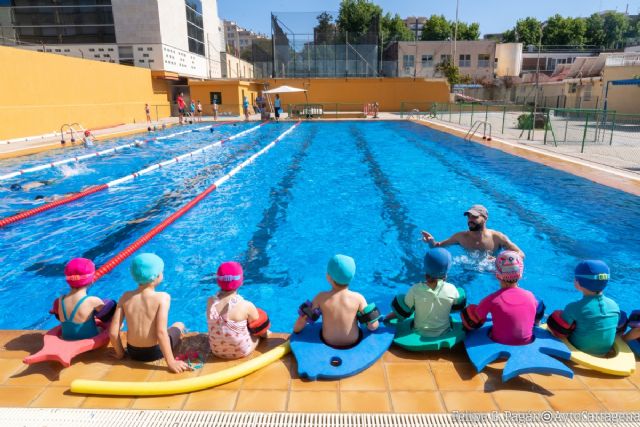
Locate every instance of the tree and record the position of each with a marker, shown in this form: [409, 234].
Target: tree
[564, 31]
[325, 30]
[595, 34]
[436, 28]
[467, 31]
[356, 17]
[452, 73]
[615, 26]
[394, 29]
[526, 31]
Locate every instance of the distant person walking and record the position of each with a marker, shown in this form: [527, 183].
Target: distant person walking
[215, 109]
[245, 107]
[276, 107]
[181, 107]
[147, 111]
[199, 110]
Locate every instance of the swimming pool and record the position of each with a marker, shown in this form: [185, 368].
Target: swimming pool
[365, 189]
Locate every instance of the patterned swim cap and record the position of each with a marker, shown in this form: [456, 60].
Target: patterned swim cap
[230, 276]
[509, 266]
[79, 272]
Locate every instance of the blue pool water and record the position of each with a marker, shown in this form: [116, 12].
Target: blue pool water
[365, 189]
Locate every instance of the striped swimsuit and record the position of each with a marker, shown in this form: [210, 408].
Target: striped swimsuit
[228, 339]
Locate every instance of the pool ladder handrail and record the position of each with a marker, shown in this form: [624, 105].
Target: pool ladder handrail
[476, 126]
[71, 129]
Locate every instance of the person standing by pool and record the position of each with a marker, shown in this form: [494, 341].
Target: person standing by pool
[199, 109]
[181, 107]
[214, 107]
[276, 107]
[245, 107]
[147, 111]
[479, 237]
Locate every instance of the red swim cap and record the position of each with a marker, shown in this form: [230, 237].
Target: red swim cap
[87, 133]
[80, 272]
[229, 276]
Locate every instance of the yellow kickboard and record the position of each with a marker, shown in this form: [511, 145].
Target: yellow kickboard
[622, 364]
[187, 385]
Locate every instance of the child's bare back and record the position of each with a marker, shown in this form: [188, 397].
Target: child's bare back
[141, 308]
[339, 310]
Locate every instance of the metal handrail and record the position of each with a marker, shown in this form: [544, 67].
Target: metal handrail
[70, 126]
[476, 126]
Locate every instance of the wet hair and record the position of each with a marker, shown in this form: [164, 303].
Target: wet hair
[15, 187]
[39, 197]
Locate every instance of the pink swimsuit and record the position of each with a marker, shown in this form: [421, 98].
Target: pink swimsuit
[513, 311]
[228, 339]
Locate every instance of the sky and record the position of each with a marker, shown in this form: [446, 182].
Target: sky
[494, 16]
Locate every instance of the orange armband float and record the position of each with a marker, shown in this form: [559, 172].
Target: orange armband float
[260, 326]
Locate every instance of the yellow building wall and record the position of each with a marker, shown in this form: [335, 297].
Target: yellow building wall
[622, 99]
[388, 92]
[230, 90]
[40, 91]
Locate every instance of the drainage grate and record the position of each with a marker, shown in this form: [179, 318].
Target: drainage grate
[36, 417]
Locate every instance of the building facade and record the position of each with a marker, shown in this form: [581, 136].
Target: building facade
[415, 24]
[239, 39]
[177, 38]
[482, 60]
[236, 68]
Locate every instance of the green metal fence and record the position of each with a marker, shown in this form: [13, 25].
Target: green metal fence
[327, 110]
[597, 135]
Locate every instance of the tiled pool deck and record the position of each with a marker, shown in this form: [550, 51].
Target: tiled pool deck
[400, 382]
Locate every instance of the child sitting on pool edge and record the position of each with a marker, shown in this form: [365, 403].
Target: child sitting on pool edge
[84, 309]
[431, 302]
[514, 310]
[235, 324]
[341, 309]
[146, 312]
[590, 323]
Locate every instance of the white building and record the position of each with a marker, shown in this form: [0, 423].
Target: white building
[238, 39]
[174, 38]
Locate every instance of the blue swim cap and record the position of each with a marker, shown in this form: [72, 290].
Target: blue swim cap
[592, 274]
[146, 268]
[341, 269]
[437, 262]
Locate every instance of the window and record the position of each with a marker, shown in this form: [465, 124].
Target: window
[195, 32]
[408, 61]
[573, 87]
[445, 59]
[427, 60]
[483, 60]
[587, 93]
[465, 60]
[140, 49]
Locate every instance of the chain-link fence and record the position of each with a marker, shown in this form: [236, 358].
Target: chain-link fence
[605, 137]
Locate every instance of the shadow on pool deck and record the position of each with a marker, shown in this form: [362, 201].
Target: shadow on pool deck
[400, 381]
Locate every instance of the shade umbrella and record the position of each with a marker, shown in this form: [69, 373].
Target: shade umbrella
[287, 89]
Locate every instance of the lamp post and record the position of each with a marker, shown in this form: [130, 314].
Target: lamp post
[535, 95]
[455, 35]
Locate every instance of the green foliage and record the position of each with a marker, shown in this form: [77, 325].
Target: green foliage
[526, 31]
[564, 31]
[615, 26]
[436, 28]
[467, 31]
[525, 121]
[324, 32]
[394, 29]
[356, 16]
[595, 34]
[452, 73]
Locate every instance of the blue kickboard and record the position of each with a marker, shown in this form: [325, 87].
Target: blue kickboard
[315, 357]
[634, 345]
[533, 358]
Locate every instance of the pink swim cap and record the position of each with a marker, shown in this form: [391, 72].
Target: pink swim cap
[509, 266]
[229, 276]
[79, 272]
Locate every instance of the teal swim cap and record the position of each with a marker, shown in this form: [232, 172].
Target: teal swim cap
[146, 268]
[341, 269]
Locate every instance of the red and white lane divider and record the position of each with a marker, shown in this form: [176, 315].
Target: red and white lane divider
[97, 153]
[124, 254]
[96, 188]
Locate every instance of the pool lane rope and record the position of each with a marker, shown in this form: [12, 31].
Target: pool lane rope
[99, 153]
[124, 254]
[97, 188]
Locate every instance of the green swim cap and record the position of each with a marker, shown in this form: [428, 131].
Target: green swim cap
[146, 268]
[341, 269]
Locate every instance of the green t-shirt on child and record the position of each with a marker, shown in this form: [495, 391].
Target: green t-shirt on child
[596, 318]
[432, 307]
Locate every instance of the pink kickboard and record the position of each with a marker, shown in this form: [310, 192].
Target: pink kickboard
[58, 350]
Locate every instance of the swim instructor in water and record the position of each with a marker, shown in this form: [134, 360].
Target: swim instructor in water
[479, 237]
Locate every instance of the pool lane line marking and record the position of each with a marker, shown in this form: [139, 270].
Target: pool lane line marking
[97, 153]
[96, 188]
[124, 254]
